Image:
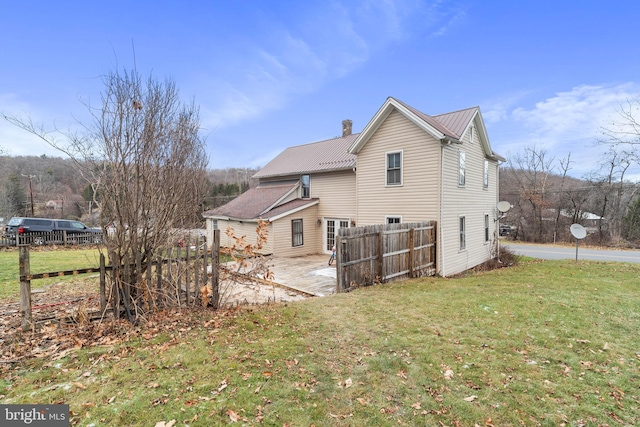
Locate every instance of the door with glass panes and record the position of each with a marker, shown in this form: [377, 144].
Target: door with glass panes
[331, 227]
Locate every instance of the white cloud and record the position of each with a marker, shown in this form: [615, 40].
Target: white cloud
[329, 42]
[568, 122]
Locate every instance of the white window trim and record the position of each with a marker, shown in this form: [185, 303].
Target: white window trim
[462, 170]
[462, 232]
[486, 228]
[386, 168]
[386, 218]
[471, 133]
[485, 175]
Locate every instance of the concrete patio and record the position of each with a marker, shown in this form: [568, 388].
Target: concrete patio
[309, 274]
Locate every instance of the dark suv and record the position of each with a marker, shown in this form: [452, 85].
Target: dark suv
[45, 230]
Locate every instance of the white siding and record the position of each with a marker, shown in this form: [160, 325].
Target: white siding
[472, 201]
[337, 194]
[282, 238]
[417, 198]
[244, 228]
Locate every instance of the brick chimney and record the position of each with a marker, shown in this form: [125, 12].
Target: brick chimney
[346, 127]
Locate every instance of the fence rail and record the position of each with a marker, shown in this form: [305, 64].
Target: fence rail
[384, 252]
[172, 279]
[59, 237]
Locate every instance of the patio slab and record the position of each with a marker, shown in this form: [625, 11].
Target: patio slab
[309, 274]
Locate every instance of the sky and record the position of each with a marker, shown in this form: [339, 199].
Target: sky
[272, 74]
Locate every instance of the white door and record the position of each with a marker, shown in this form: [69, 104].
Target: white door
[331, 227]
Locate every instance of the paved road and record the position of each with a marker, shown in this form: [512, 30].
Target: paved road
[568, 252]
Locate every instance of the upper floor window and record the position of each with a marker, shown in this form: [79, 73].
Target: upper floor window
[461, 168]
[394, 168]
[305, 182]
[485, 176]
[471, 134]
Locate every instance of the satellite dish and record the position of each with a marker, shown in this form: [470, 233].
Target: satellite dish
[578, 231]
[504, 206]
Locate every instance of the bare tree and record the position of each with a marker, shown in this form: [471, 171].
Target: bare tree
[145, 160]
[533, 186]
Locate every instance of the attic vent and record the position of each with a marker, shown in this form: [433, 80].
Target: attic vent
[346, 127]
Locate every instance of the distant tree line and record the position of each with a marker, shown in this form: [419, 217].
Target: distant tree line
[59, 191]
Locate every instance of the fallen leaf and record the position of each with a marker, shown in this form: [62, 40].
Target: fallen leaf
[361, 401]
[80, 385]
[470, 398]
[348, 383]
[233, 416]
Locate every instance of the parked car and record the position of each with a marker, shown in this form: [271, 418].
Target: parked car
[43, 230]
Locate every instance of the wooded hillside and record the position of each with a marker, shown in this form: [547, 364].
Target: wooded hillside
[59, 190]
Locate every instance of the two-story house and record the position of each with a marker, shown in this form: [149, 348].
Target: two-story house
[405, 166]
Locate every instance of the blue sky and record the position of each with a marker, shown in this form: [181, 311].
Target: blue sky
[272, 74]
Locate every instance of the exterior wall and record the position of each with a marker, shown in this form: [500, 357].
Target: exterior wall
[280, 233]
[472, 201]
[337, 194]
[417, 199]
[245, 228]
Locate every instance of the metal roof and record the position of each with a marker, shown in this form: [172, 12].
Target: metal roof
[253, 202]
[322, 156]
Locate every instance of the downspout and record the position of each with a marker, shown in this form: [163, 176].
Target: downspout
[440, 239]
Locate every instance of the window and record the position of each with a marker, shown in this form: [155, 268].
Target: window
[463, 235]
[305, 182]
[485, 180]
[471, 134]
[486, 228]
[394, 219]
[394, 168]
[296, 232]
[461, 169]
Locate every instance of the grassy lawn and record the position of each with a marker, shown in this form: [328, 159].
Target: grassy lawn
[42, 261]
[546, 343]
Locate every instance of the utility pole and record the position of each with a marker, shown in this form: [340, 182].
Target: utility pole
[30, 192]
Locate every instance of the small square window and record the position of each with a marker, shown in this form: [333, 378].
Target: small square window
[394, 220]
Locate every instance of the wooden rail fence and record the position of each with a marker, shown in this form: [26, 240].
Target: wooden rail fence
[384, 252]
[174, 279]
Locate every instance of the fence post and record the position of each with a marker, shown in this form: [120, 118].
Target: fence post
[187, 284]
[380, 260]
[103, 284]
[215, 270]
[412, 253]
[25, 289]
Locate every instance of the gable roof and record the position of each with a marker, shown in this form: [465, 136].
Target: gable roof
[321, 156]
[263, 201]
[448, 127]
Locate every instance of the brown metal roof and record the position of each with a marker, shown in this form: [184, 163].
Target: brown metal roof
[293, 204]
[457, 121]
[322, 156]
[253, 202]
[441, 127]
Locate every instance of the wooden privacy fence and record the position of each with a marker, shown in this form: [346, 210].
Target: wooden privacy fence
[384, 252]
[171, 280]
